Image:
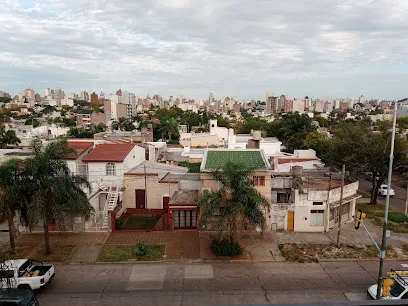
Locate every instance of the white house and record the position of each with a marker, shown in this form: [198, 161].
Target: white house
[308, 201]
[107, 163]
[270, 145]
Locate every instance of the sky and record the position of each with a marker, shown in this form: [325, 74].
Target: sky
[242, 48]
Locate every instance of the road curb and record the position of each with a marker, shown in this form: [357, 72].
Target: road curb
[362, 259]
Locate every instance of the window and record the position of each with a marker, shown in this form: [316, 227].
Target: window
[110, 169]
[259, 181]
[283, 197]
[317, 203]
[317, 217]
[185, 219]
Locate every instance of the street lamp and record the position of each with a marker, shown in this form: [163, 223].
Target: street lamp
[387, 201]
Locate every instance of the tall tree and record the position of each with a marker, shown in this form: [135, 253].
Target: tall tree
[54, 188]
[364, 150]
[14, 194]
[8, 137]
[237, 201]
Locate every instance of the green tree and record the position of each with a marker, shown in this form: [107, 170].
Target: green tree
[362, 150]
[319, 142]
[54, 189]
[5, 100]
[13, 194]
[32, 121]
[8, 137]
[292, 129]
[237, 201]
[123, 124]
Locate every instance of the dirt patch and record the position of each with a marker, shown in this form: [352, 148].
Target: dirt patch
[314, 253]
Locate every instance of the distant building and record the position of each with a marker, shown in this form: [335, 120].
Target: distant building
[94, 98]
[271, 103]
[298, 106]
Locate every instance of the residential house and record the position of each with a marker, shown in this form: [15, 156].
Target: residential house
[104, 165]
[309, 200]
[255, 158]
[165, 190]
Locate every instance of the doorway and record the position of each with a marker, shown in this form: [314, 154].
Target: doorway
[291, 221]
[140, 198]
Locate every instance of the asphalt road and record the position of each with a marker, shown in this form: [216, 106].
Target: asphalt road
[397, 202]
[216, 283]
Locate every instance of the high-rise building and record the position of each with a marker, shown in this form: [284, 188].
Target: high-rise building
[271, 103]
[94, 98]
[298, 106]
[37, 97]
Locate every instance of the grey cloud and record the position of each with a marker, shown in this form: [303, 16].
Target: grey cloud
[241, 48]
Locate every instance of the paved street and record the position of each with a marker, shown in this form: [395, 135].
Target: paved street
[180, 283]
[397, 202]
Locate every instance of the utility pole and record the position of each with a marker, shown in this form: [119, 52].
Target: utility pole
[406, 202]
[387, 204]
[341, 203]
[145, 179]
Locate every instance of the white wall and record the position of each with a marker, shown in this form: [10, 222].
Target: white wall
[270, 148]
[97, 170]
[221, 132]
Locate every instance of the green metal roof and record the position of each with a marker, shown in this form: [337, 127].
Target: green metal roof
[218, 158]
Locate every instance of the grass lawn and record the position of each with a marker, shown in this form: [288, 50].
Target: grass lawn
[140, 223]
[313, 253]
[364, 195]
[397, 221]
[59, 253]
[126, 252]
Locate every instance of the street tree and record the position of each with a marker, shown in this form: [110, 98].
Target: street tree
[237, 201]
[54, 189]
[363, 150]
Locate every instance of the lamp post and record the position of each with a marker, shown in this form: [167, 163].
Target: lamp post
[387, 201]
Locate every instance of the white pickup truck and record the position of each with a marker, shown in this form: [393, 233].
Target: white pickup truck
[25, 273]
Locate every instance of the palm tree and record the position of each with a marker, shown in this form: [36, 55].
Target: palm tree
[54, 188]
[123, 123]
[237, 201]
[13, 194]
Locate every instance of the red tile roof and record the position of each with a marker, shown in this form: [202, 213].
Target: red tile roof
[109, 153]
[79, 147]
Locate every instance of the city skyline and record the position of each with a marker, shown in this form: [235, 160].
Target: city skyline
[299, 48]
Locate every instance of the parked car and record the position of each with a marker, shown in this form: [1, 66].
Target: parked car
[399, 289]
[382, 191]
[18, 297]
[25, 274]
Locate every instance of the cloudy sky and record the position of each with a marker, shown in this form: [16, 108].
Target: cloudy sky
[319, 48]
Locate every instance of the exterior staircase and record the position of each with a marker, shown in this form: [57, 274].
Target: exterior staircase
[110, 204]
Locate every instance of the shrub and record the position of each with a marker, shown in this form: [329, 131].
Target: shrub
[141, 249]
[397, 217]
[226, 248]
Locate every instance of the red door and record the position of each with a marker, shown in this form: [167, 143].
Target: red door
[140, 198]
[166, 201]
